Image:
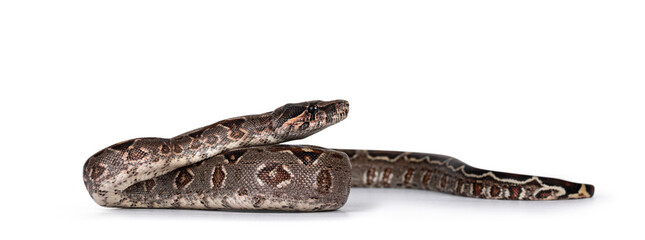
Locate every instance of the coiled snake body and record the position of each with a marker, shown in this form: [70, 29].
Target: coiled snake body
[235, 164]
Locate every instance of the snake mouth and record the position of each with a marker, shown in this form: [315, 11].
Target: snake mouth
[336, 111]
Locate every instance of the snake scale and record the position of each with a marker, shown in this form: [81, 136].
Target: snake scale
[238, 163]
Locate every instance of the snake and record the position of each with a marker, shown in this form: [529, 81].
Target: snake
[241, 163]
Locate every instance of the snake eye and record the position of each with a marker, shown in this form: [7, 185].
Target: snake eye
[312, 109]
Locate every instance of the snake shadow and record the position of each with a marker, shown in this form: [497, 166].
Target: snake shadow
[362, 200]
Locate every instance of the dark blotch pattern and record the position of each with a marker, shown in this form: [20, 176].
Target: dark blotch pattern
[459, 185]
[234, 126]
[165, 149]
[179, 143]
[96, 172]
[196, 134]
[477, 189]
[370, 176]
[307, 156]
[212, 139]
[177, 148]
[545, 194]
[218, 177]
[274, 174]
[195, 144]
[233, 156]
[324, 181]
[569, 187]
[444, 180]
[386, 176]
[136, 154]
[426, 178]
[407, 178]
[590, 189]
[494, 191]
[184, 177]
[284, 114]
[515, 192]
[330, 110]
[141, 187]
[258, 200]
[242, 192]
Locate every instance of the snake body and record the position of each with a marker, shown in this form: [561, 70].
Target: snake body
[238, 163]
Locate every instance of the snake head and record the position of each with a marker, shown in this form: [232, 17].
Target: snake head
[299, 120]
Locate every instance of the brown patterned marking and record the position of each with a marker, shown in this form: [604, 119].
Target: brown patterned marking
[212, 139]
[142, 187]
[96, 171]
[234, 126]
[184, 178]
[195, 144]
[233, 156]
[274, 174]
[494, 191]
[165, 149]
[369, 176]
[218, 177]
[387, 173]
[515, 192]
[136, 154]
[477, 189]
[149, 184]
[177, 148]
[451, 182]
[225, 202]
[178, 142]
[569, 187]
[444, 179]
[459, 185]
[122, 146]
[544, 194]
[307, 156]
[330, 111]
[407, 178]
[286, 113]
[242, 192]
[324, 181]
[258, 200]
[426, 177]
[197, 134]
[434, 179]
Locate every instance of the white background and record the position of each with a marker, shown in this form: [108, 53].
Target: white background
[552, 88]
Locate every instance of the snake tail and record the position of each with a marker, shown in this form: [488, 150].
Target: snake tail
[392, 169]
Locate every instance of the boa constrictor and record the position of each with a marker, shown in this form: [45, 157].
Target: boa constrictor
[236, 164]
